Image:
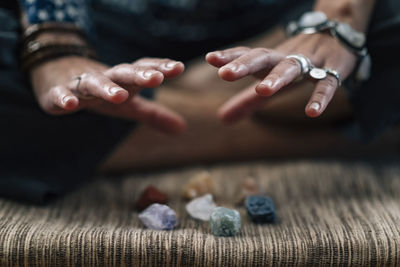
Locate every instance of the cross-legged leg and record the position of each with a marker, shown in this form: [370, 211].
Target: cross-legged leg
[283, 129]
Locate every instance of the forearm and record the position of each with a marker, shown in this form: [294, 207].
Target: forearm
[357, 13]
[53, 29]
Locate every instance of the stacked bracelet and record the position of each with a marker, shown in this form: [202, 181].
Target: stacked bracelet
[36, 51]
[317, 21]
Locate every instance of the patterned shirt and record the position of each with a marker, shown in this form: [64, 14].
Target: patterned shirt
[187, 20]
[69, 11]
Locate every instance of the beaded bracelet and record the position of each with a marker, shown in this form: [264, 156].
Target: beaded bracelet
[33, 31]
[36, 52]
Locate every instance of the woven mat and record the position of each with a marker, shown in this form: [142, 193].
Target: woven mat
[329, 213]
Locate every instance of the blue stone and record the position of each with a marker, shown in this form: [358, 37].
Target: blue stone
[225, 222]
[261, 209]
[159, 217]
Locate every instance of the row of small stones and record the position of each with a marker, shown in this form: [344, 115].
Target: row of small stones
[223, 221]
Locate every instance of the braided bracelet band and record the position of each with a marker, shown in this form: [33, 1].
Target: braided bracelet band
[37, 48]
[49, 52]
[33, 31]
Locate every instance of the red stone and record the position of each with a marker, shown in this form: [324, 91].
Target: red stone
[149, 196]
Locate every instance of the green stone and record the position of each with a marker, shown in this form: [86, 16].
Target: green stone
[225, 222]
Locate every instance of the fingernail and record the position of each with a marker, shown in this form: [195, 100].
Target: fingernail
[218, 54]
[315, 106]
[114, 90]
[148, 74]
[170, 65]
[267, 83]
[65, 99]
[232, 67]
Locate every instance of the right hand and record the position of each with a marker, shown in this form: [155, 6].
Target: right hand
[109, 91]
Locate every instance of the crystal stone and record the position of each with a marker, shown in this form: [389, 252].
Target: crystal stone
[151, 195]
[225, 222]
[261, 209]
[159, 217]
[201, 207]
[198, 185]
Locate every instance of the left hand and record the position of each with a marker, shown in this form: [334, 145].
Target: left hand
[276, 72]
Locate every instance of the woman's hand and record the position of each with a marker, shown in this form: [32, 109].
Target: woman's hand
[276, 72]
[70, 84]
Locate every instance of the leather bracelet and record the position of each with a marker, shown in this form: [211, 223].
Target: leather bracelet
[33, 31]
[34, 46]
[50, 52]
[36, 51]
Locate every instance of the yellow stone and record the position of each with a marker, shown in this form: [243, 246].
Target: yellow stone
[198, 185]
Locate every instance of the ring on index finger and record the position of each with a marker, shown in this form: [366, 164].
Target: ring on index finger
[303, 61]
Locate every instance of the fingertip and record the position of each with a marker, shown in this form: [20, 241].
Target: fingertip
[174, 68]
[216, 59]
[211, 56]
[313, 110]
[118, 95]
[152, 78]
[265, 89]
[227, 74]
[70, 102]
[221, 114]
[226, 116]
[181, 126]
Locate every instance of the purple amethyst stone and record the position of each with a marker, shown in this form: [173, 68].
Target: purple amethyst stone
[159, 217]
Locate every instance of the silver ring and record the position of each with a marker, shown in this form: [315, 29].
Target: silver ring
[318, 73]
[335, 74]
[78, 93]
[304, 62]
[79, 78]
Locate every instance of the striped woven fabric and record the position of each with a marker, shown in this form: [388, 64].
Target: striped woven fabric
[329, 213]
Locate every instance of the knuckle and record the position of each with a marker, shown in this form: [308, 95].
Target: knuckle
[261, 50]
[330, 82]
[274, 76]
[292, 62]
[143, 60]
[320, 94]
[121, 66]
[137, 69]
[240, 48]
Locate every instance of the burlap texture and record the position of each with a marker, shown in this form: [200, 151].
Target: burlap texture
[329, 213]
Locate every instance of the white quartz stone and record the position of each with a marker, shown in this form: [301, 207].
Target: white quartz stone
[201, 207]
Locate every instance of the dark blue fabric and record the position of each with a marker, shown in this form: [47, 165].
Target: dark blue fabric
[70, 11]
[376, 103]
[42, 155]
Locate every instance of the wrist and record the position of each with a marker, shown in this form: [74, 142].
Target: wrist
[49, 41]
[354, 12]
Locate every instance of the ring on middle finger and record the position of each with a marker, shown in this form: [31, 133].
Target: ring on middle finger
[77, 87]
[303, 61]
[318, 74]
